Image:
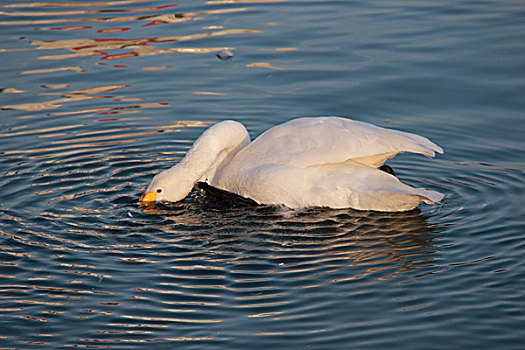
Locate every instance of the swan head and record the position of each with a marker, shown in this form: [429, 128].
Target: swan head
[167, 186]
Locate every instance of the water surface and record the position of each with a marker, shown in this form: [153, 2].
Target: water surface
[99, 96]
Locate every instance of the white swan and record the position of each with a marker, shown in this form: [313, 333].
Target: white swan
[322, 162]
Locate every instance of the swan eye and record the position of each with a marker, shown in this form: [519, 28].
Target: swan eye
[159, 190]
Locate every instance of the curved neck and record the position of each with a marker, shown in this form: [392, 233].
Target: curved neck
[213, 149]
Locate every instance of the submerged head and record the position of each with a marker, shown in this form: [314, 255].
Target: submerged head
[212, 150]
[167, 186]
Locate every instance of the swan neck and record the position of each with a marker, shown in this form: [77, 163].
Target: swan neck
[213, 150]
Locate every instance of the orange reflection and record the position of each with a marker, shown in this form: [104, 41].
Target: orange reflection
[262, 65]
[52, 70]
[139, 260]
[61, 296]
[415, 307]
[103, 47]
[266, 314]
[281, 49]
[113, 30]
[79, 12]
[209, 93]
[263, 304]
[97, 312]
[67, 28]
[158, 68]
[133, 325]
[137, 47]
[78, 95]
[82, 95]
[212, 27]
[39, 302]
[127, 340]
[157, 18]
[169, 319]
[125, 332]
[55, 86]
[75, 4]
[101, 109]
[39, 319]
[88, 274]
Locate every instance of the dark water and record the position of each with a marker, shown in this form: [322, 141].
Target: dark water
[99, 96]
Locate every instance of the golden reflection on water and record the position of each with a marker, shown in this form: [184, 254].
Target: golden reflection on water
[78, 12]
[209, 93]
[154, 19]
[78, 95]
[69, 16]
[158, 68]
[263, 65]
[38, 131]
[136, 47]
[53, 70]
[281, 49]
[74, 4]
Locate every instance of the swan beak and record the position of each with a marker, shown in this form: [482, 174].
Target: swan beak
[148, 198]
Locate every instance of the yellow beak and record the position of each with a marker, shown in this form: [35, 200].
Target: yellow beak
[148, 198]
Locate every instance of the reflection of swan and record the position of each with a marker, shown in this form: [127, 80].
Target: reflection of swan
[322, 162]
[314, 245]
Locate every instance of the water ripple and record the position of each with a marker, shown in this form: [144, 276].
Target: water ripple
[100, 96]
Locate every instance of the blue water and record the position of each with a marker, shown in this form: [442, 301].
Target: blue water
[97, 97]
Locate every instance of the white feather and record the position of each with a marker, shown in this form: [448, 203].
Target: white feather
[323, 161]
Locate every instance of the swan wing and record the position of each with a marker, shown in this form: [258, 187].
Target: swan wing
[342, 185]
[307, 142]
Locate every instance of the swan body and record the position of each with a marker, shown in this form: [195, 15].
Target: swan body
[306, 162]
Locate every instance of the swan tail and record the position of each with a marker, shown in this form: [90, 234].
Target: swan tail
[398, 200]
[430, 196]
[386, 192]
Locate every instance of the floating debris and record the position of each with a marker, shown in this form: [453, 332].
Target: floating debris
[11, 91]
[224, 55]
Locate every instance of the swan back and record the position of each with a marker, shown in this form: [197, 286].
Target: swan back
[326, 161]
[324, 140]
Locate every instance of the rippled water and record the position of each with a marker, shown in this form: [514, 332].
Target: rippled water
[98, 96]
